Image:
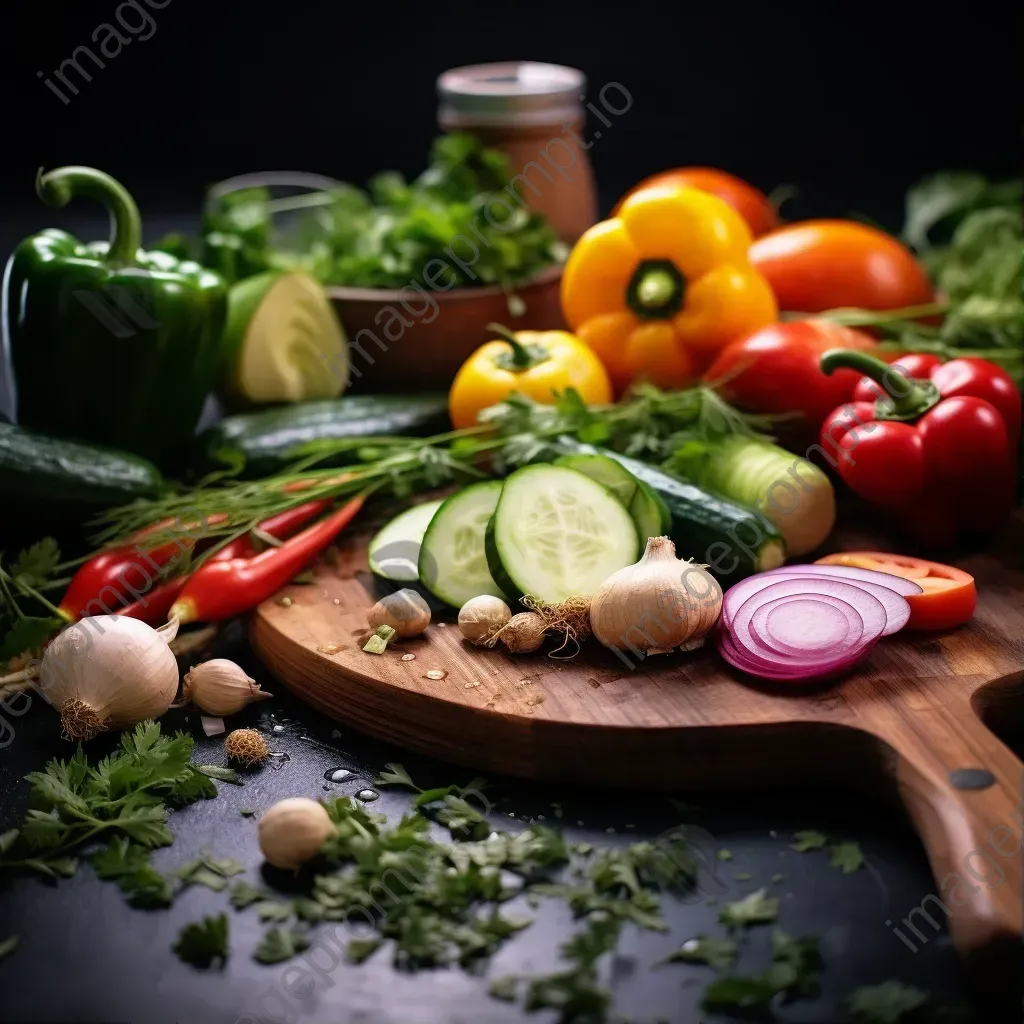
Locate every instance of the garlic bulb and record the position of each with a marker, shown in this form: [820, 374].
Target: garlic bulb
[659, 603]
[481, 617]
[404, 611]
[220, 687]
[109, 672]
[293, 831]
[523, 633]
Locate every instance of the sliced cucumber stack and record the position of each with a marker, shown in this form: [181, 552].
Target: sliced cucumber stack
[557, 533]
[648, 511]
[395, 552]
[453, 561]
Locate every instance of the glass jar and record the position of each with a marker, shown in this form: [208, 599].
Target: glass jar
[534, 114]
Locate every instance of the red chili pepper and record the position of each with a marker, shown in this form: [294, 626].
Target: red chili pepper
[284, 524]
[116, 578]
[154, 607]
[939, 452]
[222, 589]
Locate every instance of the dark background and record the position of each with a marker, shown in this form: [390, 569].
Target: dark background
[851, 103]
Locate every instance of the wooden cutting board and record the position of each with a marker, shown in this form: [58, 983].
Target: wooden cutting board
[907, 722]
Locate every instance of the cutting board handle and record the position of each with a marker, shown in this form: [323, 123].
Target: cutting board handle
[964, 790]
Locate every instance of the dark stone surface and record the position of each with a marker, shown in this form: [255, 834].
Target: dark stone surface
[86, 956]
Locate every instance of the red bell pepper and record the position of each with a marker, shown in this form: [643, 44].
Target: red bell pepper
[936, 451]
[221, 589]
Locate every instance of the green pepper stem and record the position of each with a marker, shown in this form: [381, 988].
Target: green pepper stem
[520, 358]
[60, 186]
[655, 288]
[907, 399]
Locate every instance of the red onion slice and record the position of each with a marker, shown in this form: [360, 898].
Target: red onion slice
[897, 609]
[785, 625]
[741, 659]
[870, 609]
[851, 573]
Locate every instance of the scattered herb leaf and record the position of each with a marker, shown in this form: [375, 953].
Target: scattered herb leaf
[280, 944]
[888, 1003]
[808, 840]
[757, 908]
[8, 946]
[846, 856]
[202, 942]
[215, 771]
[706, 949]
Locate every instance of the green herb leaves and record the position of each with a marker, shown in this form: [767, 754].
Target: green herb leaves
[804, 842]
[888, 1003]
[8, 946]
[706, 949]
[123, 800]
[204, 941]
[387, 237]
[757, 908]
[22, 628]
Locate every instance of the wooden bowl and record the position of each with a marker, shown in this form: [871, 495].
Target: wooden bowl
[412, 340]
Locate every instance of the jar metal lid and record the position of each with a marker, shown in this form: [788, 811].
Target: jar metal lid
[520, 92]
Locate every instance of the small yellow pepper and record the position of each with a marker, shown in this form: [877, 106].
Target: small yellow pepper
[659, 289]
[538, 364]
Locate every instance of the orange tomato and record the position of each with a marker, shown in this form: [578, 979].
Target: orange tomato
[825, 264]
[750, 203]
[948, 597]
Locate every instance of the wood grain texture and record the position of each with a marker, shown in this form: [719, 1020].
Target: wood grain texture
[898, 725]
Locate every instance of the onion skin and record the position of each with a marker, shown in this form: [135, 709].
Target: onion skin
[108, 672]
[659, 603]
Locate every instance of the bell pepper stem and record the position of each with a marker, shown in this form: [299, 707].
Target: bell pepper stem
[520, 358]
[655, 288]
[60, 186]
[907, 398]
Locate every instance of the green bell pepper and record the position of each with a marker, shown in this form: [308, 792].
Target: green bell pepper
[110, 344]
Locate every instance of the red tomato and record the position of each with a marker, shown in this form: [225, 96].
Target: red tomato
[776, 369]
[750, 203]
[825, 264]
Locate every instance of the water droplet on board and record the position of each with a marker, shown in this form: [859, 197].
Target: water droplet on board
[408, 657]
[278, 759]
[367, 795]
[435, 673]
[278, 729]
[330, 648]
[337, 774]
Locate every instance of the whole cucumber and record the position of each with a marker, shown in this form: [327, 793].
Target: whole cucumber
[266, 440]
[52, 473]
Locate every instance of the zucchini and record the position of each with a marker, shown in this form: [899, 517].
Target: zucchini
[790, 491]
[70, 475]
[556, 533]
[267, 439]
[394, 552]
[453, 561]
[732, 540]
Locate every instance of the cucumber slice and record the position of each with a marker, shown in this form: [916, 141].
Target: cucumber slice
[557, 533]
[395, 551]
[453, 562]
[605, 471]
[282, 342]
[649, 511]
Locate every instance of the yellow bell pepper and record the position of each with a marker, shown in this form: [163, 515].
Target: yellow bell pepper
[659, 289]
[538, 364]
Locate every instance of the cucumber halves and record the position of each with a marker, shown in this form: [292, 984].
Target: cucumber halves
[734, 541]
[556, 533]
[453, 559]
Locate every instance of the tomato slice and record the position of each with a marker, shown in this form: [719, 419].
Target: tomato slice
[948, 598]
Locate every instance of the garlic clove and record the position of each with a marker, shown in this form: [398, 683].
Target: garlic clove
[405, 611]
[220, 687]
[293, 832]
